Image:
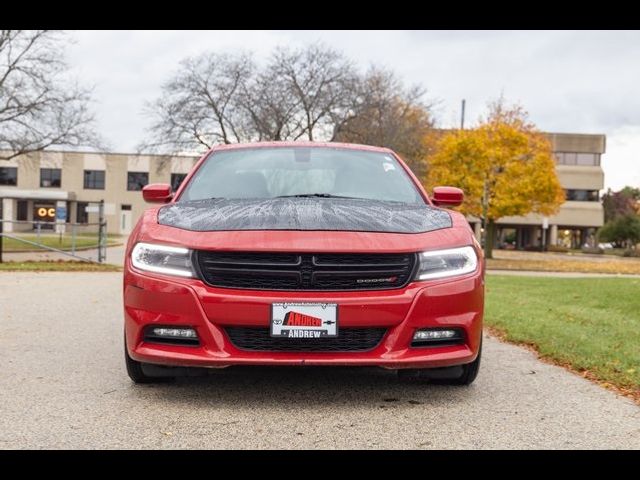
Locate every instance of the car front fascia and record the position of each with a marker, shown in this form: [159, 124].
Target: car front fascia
[158, 299]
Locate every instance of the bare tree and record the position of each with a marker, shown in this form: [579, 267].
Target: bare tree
[270, 108]
[386, 113]
[202, 104]
[40, 106]
[312, 93]
[321, 80]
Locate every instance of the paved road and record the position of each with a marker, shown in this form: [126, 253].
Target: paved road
[63, 385]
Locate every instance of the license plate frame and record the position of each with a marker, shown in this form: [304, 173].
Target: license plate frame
[311, 320]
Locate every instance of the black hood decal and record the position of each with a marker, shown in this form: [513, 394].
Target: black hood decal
[335, 214]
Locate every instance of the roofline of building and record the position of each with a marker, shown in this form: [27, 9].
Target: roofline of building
[198, 155]
[577, 134]
[354, 146]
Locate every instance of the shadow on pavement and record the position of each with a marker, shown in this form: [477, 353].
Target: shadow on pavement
[265, 387]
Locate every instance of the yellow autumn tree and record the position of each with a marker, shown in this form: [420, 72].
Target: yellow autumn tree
[505, 167]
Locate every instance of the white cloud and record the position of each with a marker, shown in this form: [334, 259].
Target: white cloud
[569, 81]
[621, 163]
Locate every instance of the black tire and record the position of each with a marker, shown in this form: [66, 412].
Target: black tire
[458, 375]
[136, 372]
[469, 371]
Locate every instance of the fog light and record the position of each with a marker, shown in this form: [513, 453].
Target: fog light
[437, 336]
[433, 334]
[172, 335]
[175, 332]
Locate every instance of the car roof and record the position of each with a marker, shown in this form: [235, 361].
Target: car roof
[349, 146]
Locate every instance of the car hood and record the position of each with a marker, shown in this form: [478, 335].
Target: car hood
[301, 214]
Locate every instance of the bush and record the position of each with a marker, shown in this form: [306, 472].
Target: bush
[631, 253]
[622, 230]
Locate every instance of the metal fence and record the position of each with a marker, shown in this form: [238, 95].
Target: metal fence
[80, 241]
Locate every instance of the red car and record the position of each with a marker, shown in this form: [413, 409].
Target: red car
[303, 254]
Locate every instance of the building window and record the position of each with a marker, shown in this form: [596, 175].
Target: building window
[9, 176]
[176, 180]
[572, 158]
[589, 159]
[23, 207]
[125, 208]
[582, 195]
[50, 177]
[566, 158]
[94, 179]
[137, 180]
[81, 213]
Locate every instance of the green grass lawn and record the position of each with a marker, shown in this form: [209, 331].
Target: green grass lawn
[52, 240]
[57, 266]
[589, 324]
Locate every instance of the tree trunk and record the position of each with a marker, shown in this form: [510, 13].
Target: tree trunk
[489, 238]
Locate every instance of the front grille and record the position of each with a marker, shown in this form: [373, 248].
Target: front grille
[305, 271]
[348, 340]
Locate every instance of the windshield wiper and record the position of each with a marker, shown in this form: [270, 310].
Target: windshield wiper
[317, 195]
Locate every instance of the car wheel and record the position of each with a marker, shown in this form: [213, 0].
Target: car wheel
[136, 372]
[469, 372]
[457, 375]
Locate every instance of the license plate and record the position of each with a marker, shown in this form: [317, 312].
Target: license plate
[304, 320]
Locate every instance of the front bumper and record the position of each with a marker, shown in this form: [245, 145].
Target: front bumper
[161, 300]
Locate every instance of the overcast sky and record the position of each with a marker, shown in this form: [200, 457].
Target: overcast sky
[583, 82]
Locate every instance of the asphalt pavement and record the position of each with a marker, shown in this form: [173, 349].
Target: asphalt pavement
[63, 385]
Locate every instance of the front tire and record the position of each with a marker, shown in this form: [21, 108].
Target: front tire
[457, 375]
[469, 371]
[136, 372]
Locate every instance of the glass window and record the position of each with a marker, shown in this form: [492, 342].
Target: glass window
[291, 171]
[176, 180]
[8, 176]
[137, 180]
[583, 195]
[125, 208]
[586, 159]
[569, 158]
[50, 177]
[23, 207]
[94, 179]
[572, 158]
[81, 214]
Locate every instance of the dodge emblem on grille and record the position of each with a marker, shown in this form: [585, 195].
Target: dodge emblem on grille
[377, 280]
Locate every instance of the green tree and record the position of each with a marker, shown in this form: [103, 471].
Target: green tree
[623, 231]
[505, 166]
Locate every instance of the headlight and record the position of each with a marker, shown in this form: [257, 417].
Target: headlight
[447, 263]
[163, 259]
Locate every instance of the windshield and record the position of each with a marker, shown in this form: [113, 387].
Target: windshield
[301, 171]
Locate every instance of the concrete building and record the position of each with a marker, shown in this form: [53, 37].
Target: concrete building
[34, 186]
[579, 171]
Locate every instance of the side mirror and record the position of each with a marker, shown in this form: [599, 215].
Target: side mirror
[447, 196]
[157, 193]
